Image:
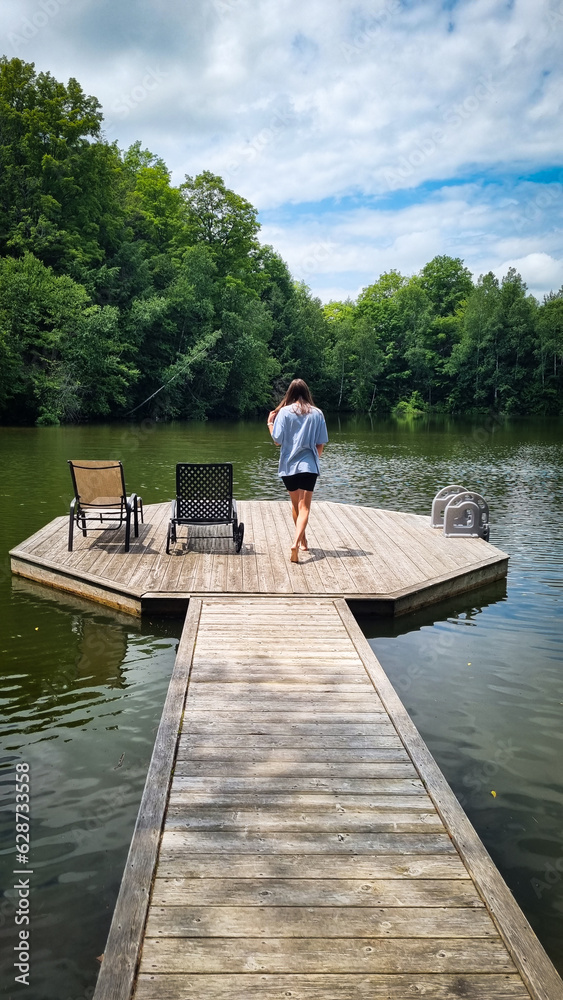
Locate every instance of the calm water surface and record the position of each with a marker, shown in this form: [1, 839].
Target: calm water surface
[83, 688]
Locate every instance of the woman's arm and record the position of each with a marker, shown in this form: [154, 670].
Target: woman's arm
[271, 418]
[320, 449]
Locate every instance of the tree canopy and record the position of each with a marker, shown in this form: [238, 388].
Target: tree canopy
[121, 292]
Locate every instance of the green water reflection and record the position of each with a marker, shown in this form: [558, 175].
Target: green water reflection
[83, 687]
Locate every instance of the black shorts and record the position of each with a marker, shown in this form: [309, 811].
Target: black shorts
[300, 481]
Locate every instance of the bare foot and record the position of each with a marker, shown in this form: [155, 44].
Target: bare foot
[294, 557]
[304, 544]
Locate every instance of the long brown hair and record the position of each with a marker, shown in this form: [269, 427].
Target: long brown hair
[297, 392]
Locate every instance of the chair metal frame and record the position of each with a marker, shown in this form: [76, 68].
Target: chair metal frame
[91, 512]
[204, 495]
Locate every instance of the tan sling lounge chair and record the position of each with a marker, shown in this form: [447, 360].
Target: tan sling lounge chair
[100, 499]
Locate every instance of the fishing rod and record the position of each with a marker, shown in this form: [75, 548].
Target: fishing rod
[213, 338]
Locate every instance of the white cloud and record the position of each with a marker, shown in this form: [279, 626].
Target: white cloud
[541, 272]
[300, 103]
[350, 248]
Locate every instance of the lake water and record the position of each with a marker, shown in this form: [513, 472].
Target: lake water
[83, 688]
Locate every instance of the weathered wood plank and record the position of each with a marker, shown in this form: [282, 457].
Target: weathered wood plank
[215, 786]
[303, 802]
[309, 789]
[337, 574]
[328, 657]
[390, 569]
[132, 568]
[315, 892]
[319, 921]
[430, 558]
[108, 596]
[261, 672]
[385, 749]
[404, 560]
[358, 986]
[192, 741]
[115, 981]
[532, 962]
[274, 770]
[280, 535]
[339, 721]
[208, 842]
[178, 863]
[149, 567]
[182, 817]
[290, 730]
[249, 564]
[273, 572]
[58, 524]
[336, 955]
[208, 696]
[355, 550]
[394, 752]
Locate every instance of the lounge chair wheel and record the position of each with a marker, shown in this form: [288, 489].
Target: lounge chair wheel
[240, 536]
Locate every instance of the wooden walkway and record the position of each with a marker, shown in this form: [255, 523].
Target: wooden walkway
[298, 836]
[391, 562]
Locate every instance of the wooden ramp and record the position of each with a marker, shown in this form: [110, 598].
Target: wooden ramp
[390, 562]
[310, 848]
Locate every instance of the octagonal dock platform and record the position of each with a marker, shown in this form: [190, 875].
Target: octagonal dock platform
[378, 560]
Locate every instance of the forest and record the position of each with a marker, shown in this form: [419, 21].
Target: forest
[123, 296]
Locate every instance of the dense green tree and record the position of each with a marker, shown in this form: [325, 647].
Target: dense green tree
[56, 193]
[221, 220]
[549, 353]
[339, 353]
[493, 361]
[65, 357]
[120, 293]
[155, 210]
[447, 282]
[473, 361]
[39, 311]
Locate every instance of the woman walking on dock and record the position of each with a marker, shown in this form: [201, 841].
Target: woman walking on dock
[299, 428]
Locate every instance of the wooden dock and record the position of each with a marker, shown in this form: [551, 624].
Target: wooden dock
[296, 838]
[382, 561]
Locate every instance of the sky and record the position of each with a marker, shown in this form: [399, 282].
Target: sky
[369, 136]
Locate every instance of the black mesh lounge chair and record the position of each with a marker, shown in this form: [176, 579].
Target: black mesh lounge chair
[100, 499]
[204, 495]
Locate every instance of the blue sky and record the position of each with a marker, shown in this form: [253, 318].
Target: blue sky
[369, 136]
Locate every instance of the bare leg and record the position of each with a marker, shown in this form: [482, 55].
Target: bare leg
[301, 502]
[295, 497]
